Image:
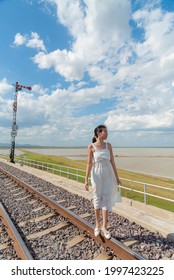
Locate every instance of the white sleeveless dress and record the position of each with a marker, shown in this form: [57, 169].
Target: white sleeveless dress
[104, 184]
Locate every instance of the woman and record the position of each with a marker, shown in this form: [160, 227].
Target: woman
[104, 178]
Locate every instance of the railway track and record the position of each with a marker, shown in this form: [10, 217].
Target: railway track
[150, 245]
[11, 239]
[45, 229]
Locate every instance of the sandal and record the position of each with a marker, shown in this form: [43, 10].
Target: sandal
[96, 232]
[107, 234]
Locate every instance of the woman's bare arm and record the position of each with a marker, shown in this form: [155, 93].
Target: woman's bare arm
[113, 164]
[89, 165]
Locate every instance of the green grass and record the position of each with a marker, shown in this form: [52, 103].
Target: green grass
[58, 160]
[160, 181]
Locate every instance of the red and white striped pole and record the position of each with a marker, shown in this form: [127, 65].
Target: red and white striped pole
[14, 125]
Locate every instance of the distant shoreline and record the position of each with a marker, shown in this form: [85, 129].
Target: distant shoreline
[152, 161]
[83, 147]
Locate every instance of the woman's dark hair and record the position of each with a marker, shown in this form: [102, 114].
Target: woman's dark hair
[98, 129]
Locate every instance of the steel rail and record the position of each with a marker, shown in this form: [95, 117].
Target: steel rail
[19, 245]
[122, 251]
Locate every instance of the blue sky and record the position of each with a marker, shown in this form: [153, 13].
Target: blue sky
[88, 63]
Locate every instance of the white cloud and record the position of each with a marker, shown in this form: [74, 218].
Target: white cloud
[39, 89]
[98, 31]
[50, 116]
[33, 41]
[19, 40]
[137, 122]
[158, 29]
[64, 62]
[67, 11]
[5, 87]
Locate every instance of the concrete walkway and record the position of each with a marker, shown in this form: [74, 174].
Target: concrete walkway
[152, 218]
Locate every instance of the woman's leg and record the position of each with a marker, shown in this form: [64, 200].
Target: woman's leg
[105, 218]
[97, 218]
[106, 233]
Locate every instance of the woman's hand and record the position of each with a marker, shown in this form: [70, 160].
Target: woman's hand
[118, 181]
[87, 186]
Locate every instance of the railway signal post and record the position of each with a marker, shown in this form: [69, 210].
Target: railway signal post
[14, 125]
